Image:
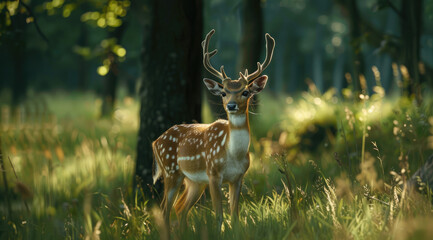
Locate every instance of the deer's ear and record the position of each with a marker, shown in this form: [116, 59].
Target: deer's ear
[257, 85]
[214, 87]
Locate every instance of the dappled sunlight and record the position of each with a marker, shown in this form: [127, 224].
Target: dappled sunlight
[58, 156]
[330, 187]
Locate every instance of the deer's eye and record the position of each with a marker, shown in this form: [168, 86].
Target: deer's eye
[223, 94]
[245, 93]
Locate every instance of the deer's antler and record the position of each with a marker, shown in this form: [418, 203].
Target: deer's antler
[207, 55]
[270, 45]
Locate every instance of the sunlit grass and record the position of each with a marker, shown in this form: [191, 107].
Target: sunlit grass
[306, 180]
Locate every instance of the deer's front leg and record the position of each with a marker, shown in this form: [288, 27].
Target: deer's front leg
[216, 195]
[234, 192]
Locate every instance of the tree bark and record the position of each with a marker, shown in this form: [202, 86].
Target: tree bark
[411, 25]
[252, 35]
[358, 64]
[252, 39]
[18, 49]
[171, 86]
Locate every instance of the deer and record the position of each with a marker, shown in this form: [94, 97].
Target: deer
[201, 155]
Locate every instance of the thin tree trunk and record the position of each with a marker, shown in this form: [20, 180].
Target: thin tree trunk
[111, 79]
[252, 35]
[338, 74]
[252, 38]
[355, 40]
[282, 82]
[411, 25]
[172, 64]
[318, 60]
[82, 63]
[18, 49]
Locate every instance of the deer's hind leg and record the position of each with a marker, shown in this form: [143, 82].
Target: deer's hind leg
[172, 184]
[189, 197]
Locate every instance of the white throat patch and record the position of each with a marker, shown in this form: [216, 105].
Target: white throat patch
[238, 120]
[239, 142]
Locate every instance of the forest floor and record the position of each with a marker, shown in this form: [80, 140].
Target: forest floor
[322, 168]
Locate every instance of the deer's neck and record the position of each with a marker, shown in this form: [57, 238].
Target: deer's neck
[239, 140]
[239, 121]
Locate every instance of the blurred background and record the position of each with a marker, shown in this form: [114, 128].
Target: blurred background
[86, 86]
[71, 45]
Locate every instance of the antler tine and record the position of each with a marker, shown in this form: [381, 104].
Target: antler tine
[207, 55]
[222, 72]
[243, 76]
[270, 45]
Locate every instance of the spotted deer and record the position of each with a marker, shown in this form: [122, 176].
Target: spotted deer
[198, 155]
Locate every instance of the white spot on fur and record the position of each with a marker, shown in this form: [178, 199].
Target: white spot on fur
[220, 133]
[224, 140]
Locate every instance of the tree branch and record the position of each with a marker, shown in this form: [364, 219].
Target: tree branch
[395, 9]
[38, 29]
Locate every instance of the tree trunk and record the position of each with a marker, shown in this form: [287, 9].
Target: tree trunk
[18, 50]
[338, 73]
[355, 41]
[172, 65]
[318, 59]
[110, 83]
[82, 63]
[411, 25]
[251, 39]
[252, 35]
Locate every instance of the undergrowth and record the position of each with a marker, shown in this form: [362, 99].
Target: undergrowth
[324, 167]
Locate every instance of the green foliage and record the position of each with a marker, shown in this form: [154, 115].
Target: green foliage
[74, 172]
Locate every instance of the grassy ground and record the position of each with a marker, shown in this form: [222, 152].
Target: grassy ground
[322, 167]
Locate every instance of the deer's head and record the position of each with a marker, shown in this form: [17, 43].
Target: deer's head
[236, 93]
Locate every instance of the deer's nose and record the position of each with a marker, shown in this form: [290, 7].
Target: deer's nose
[231, 106]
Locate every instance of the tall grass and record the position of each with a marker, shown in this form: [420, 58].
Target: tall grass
[322, 167]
